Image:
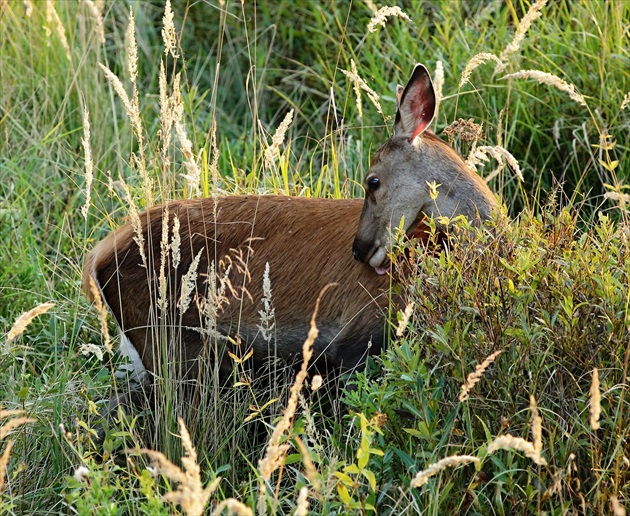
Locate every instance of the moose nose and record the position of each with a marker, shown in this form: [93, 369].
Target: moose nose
[360, 250]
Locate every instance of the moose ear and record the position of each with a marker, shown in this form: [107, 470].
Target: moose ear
[399, 93]
[416, 104]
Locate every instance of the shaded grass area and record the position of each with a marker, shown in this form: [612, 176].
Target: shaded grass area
[550, 288]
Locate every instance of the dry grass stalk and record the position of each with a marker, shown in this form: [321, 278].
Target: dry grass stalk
[131, 57]
[595, 407]
[438, 83]
[193, 175]
[131, 63]
[132, 113]
[189, 284]
[480, 155]
[370, 5]
[172, 115]
[268, 313]
[25, 319]
[96, 10]
[382, 14]
[5, 429]
[550, 80]
[626, 102]
[4, 461]
[476, 61]
[102, 316]
[533, 13]
[176, 243]
[310, 471]
[14, 423]
[190, 494]
[357, 89]
[359, 84]
[536, 425]
[214, 149]
[53, 20]
[164, 251]
[302, 503]
[169, 35]
[132, 109]
[622, 198]
[275, 452]
[475, 376]
[167, 119]
[509, 442]
[404, 319]
[455, 460]
[134, 217]
[271, 152]
[617, 508]
[89, 164]
[234, 507]
[28, 8]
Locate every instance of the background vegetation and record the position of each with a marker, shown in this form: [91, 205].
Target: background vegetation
[549, 290]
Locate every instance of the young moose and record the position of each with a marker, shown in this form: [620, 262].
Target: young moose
[181, 299]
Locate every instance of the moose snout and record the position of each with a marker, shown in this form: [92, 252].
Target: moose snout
[361, 250]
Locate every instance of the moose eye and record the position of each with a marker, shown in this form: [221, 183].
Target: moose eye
[373, 184]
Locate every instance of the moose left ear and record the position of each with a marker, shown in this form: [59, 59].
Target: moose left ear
[416, 104]
[399, 93]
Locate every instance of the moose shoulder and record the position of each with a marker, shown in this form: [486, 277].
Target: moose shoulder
[192, 274]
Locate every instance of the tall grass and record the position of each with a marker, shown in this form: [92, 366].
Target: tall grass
[244, 98]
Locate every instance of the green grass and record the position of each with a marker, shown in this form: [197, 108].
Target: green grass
[550, 289]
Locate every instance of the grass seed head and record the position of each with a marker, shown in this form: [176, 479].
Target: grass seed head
[595, 408]
[509, 442]
[455, 460]
[550, 80]
[536, 425]
[189, 284]
[302, 502]
[533, 13]
[271, 152]
[25, 319]
[89, 165]
[475, 376]
[53, 23]
[438, 83]
[96, 10]
[380, 18]
[360, 84]
[169, 35]
[475, 61]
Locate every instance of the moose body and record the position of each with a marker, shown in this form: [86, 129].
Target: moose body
[305, 241]
[307, 244]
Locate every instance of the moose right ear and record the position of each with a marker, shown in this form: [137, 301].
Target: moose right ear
[416, 104]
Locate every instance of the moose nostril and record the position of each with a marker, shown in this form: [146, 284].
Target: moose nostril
[355, 253]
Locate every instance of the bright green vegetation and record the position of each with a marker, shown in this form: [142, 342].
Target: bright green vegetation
[550, 288]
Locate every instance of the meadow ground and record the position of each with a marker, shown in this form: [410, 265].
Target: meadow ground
[504, 388]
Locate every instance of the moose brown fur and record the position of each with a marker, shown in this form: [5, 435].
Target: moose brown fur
[307, 244]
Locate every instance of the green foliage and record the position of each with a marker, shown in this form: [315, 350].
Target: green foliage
[554, 298]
